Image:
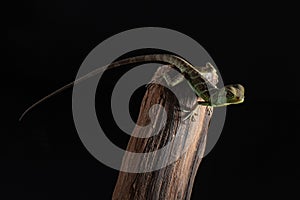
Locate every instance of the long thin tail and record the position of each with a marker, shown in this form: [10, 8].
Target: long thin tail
[46, 97]
[132, 60]
[65, 87]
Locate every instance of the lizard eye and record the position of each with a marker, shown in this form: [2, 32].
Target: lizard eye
[229, 95]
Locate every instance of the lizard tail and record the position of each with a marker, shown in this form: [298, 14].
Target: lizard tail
[165, 58]
[46, 97]
[65, 87]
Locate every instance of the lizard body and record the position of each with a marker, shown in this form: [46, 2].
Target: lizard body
[210, 94]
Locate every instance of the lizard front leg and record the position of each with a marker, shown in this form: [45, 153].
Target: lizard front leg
[207, 71]
[205, 103]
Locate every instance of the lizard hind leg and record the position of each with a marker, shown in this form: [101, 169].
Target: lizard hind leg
[173, 81]
[191, 116]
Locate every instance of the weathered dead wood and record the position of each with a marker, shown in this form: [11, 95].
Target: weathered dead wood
[175, 181]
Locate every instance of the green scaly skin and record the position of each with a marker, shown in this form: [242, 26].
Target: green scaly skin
[209, 94]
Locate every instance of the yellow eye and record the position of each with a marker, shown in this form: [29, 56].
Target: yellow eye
[229, 95]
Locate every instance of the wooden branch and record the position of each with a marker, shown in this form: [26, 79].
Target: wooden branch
[175, 181]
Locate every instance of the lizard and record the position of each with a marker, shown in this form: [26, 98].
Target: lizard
[208, 94]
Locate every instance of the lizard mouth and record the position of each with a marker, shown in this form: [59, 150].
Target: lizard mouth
[240, 100]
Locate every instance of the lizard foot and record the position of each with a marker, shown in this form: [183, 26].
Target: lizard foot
[209, 109]
[191, 116]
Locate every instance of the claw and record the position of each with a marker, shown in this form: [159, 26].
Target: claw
[185, 111]
[188, 116]
[209, 109]
[193, 118]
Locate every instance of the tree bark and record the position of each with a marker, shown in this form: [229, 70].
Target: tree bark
[185, 142]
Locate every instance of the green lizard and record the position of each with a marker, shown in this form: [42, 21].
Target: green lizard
[208, 93]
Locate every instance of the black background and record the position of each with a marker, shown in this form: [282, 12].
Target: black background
[45, 43]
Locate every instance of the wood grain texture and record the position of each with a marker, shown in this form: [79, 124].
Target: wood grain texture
[185, 140]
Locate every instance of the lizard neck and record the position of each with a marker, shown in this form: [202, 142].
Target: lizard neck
[202, 87]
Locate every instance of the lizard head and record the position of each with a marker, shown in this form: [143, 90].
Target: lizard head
[230, 94]
[235, 93]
